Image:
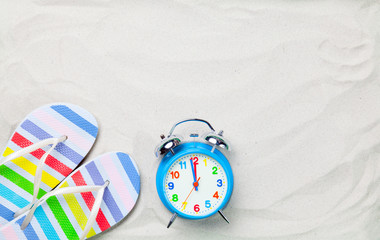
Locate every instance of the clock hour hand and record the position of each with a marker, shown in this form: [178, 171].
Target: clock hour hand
[193, 169]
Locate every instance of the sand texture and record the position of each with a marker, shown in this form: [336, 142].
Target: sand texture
[295, 86]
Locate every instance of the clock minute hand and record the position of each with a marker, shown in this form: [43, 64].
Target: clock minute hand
[194, 174]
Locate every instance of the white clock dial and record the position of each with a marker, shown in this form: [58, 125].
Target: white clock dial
[180, 189]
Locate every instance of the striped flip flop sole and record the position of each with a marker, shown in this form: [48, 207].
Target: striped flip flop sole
[55, 120]
[65, 216]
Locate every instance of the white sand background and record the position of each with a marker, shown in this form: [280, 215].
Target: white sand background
[295, 85]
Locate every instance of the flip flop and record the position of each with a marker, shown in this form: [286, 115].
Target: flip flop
[44, 149]
[92, 199]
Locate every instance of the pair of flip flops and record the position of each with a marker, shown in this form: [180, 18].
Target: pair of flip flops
[42, 196]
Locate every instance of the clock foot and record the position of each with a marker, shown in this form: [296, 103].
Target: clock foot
[172, 219]
[224, 217]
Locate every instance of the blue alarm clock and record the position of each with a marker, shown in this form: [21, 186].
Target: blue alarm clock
[194, 179]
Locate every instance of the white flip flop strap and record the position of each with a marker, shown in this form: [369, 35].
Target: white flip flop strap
[94, 211]
[38, 174]
[70, 190]
[29, 149]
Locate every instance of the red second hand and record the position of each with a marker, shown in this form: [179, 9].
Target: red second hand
[195, 170]
[190, 192]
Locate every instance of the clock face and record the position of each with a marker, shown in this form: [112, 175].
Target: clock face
[196, 185]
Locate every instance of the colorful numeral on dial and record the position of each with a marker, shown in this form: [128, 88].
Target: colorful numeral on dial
[174, 174]
[171, 185]
[175, 198]
[216, 195]
[196, 208]
[183, 165]
[220, 183]
[207, 204]
[214, 169]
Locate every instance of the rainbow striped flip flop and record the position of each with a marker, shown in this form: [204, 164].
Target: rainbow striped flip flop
[62, 134]
[67, 216]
